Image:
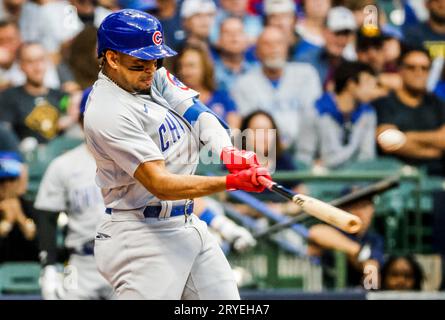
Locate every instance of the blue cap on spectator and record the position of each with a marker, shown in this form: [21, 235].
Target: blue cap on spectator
[84, 100]
[10, 165]
[143, 5]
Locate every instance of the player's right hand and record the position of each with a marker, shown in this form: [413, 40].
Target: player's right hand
[236, 160]
[247, 180]
[50, 283]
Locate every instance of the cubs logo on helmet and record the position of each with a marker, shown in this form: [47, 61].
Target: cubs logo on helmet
[157, 38]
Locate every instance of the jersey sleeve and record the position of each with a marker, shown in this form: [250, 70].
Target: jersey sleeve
[171, 89]
[125, 142]
[52, 194]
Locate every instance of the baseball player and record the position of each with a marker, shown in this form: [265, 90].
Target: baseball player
[68, 186]
[144, 129]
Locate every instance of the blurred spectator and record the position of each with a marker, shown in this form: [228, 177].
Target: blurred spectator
[411, 122]
[345, 124]
[34, 110]
[259, 133]
[25, 13]
[431, 33]
[62, 20]
[391, 49]
[8, 140]
[311, 27]
[10, 170]
[263, 137]
[364, 249]
[17, 230]
[9, 45]
[338, 33]
[229, 56]
[281, 14]
[370, 51]
[286, 89]
[198, 17]
[439, 88]
[402, 273]
[358, 9]
[11, 73]
[82, 58]
[168, 13]
[195, 68]
[237, 8]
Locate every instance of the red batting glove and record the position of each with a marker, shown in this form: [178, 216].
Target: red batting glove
[247, 180]
[236, 160]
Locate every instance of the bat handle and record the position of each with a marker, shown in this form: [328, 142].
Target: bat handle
[266, 182]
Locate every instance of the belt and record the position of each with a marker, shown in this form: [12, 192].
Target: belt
[155, 211]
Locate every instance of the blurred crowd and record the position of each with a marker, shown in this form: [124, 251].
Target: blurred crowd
[340, 81]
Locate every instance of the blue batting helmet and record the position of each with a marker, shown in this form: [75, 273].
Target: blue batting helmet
[135, 33]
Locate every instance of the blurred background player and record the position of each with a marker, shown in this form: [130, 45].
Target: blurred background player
[68, 186]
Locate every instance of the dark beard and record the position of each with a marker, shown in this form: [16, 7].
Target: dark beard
[144, 92]
[437, 18]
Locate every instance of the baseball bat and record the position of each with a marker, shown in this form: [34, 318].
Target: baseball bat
[319, 209]
[365, 192]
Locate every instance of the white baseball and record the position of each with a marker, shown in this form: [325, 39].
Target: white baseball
[391, 139]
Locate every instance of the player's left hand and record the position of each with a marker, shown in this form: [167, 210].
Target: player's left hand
[236, 160]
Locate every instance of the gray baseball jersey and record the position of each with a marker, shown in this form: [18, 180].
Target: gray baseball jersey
[150, 258]
[68, 185]
[123, 130]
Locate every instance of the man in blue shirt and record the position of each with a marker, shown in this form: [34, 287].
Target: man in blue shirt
[229, 57]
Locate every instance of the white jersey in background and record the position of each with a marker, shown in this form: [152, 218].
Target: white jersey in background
[68, 185]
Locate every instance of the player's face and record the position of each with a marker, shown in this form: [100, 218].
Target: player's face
[135, 75]
[414, 71]
[191, 70]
